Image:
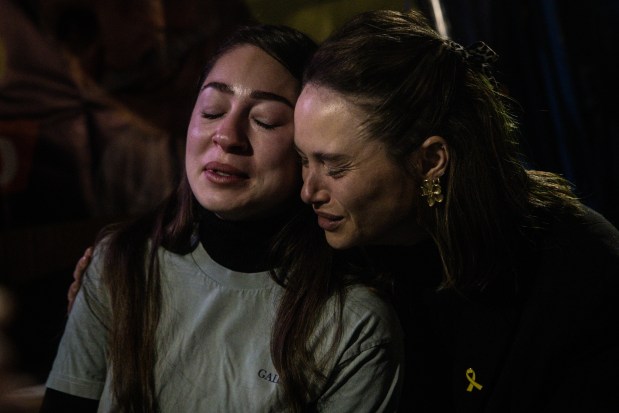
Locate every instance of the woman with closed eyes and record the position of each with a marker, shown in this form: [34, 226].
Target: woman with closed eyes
[507, 285]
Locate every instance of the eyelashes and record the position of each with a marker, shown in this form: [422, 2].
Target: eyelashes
[331, 171]
[265, 125]
[260, 123]
[336, 171]
[211, 116]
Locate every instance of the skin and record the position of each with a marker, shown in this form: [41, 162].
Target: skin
[240, 159]
[361, 196]
[78, 272]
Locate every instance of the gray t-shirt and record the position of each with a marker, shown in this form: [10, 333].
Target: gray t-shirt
[214, 344]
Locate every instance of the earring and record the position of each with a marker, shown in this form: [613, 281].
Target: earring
[432, 190]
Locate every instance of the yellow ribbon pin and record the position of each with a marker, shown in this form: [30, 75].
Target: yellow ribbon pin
[470, 376]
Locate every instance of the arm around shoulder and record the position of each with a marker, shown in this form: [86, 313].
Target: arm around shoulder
[369, 368]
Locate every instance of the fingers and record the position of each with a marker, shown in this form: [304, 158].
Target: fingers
[82, 264]
[78, 272]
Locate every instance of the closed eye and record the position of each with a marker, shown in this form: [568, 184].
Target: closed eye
[337, 171]
[206, 115]
[265, 125]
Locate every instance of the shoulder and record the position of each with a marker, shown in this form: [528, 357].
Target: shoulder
[94, 271]
[368, 320]
[598, 228]
[358, 321]
[588, 238]
[363, 303]
[592, 225]
[93, 289]
[575, 265]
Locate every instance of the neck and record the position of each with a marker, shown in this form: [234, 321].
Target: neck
[243, 246]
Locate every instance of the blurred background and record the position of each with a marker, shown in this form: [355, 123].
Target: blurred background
[95, 97]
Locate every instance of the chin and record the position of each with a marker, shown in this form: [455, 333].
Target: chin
[224, 210]
[339, 242]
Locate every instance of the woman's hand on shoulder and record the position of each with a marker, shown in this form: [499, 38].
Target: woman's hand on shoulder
[78, 273]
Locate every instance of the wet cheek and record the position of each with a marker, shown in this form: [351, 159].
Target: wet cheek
[193, 153]
[367, 193]
[198, 130]
[190, 140]
[190, 152]
[197, 142]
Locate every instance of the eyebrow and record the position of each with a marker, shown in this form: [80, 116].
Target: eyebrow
[256, 94]
[321, 156]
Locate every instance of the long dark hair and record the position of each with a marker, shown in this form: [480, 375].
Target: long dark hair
[414, 84]
[132, 274]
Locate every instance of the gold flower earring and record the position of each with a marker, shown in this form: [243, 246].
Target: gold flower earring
[432, 190]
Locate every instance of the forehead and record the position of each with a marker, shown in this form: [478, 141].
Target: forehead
[247, 68]
[327, 119]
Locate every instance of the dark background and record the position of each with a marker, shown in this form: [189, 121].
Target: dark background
[95, 98]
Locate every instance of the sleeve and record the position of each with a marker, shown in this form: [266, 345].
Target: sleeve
[368, 370]
[55, 401]
[575, 343]
[80, 367]
[591, 267]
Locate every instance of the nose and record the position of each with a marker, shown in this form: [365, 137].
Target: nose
[312, 191]
[231, 136]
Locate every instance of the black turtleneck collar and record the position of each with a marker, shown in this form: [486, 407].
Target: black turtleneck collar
[242, 246]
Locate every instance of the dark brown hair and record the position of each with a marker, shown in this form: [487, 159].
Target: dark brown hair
[413, 84]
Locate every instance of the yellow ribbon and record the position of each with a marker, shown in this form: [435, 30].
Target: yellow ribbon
[470, 376]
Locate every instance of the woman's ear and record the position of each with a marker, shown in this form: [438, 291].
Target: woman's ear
[434, 157]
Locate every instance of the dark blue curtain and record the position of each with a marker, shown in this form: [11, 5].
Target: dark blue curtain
[558, 59]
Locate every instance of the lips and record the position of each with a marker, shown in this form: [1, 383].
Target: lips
[328, 222]
[222, 173]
